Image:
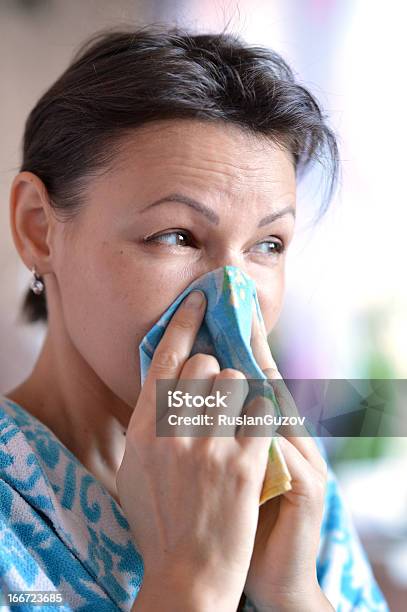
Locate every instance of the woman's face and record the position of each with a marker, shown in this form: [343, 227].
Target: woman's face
[183, 198]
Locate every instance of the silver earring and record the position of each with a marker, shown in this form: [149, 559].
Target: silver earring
[37, 286]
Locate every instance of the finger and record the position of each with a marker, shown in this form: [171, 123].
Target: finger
[263, 356]
[196, 379]
[287, 406]
[258, 408]
[198, 376]
[298, 433]
[170, 355]
[256, 439]
[231, 385]
[308, 484]
[309, 450]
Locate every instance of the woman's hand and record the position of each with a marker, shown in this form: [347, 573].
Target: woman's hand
[192, 503]
[282, 574]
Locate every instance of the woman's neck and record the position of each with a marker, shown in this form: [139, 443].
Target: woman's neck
[86, 417]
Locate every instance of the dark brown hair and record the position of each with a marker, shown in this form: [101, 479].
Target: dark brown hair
[119, 80]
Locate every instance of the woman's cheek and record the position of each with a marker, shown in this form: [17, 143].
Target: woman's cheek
[271, 319]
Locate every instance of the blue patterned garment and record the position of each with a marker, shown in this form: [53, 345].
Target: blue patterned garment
[61, 531]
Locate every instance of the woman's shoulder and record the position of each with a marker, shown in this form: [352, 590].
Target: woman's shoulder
[58, 525]
[25, 441]
[18, 429]
[12, 411]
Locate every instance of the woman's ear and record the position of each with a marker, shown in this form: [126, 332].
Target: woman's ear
[31, 221]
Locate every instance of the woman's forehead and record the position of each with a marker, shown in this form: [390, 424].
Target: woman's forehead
[220, 155]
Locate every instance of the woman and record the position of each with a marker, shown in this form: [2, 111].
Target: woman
[151, 136]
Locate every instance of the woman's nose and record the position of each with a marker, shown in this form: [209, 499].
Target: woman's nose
[227, 257]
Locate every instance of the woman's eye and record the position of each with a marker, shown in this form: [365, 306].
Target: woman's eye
[174, 238]
[184, 239]
[271, 247]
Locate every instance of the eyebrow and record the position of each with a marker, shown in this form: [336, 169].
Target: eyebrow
[210, 214]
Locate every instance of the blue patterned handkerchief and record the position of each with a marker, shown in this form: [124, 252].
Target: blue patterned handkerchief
[225, 333]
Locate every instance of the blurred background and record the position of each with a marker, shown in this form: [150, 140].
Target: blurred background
[345, 312]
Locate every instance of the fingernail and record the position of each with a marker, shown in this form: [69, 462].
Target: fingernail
[194, 300]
